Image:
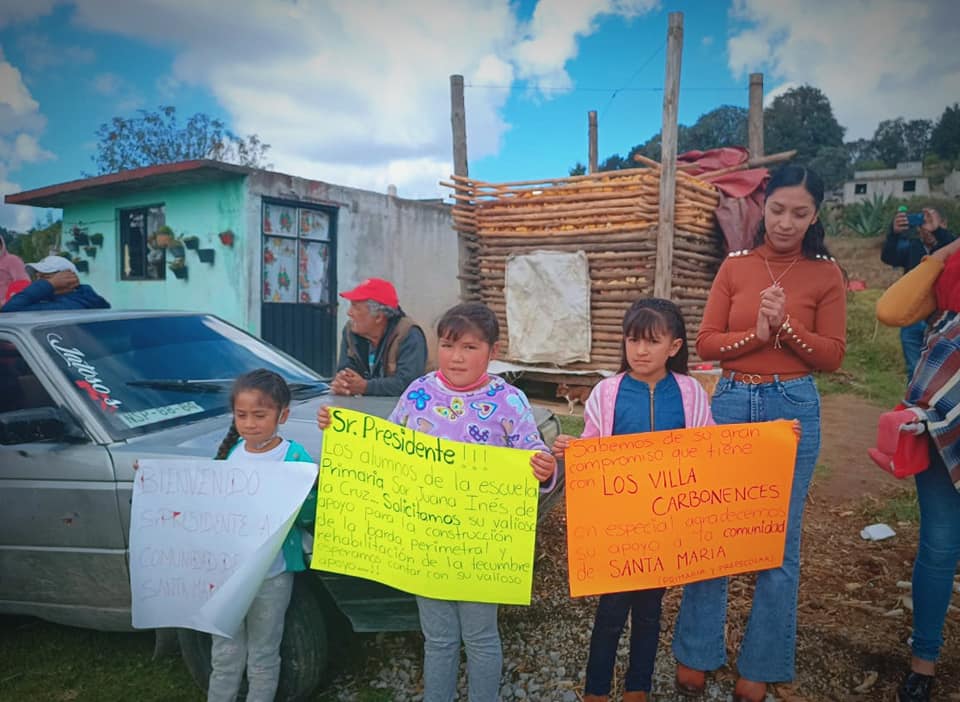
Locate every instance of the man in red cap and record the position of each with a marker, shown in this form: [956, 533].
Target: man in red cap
[382, 350]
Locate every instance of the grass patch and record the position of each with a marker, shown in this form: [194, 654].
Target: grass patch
[901, 507]
[47, 662]
[570, 424]
[873, 365]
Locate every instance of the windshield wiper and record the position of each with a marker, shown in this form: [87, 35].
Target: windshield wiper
[319, 387]
[208, 385]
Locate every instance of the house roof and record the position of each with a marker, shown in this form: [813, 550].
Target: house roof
[125, 182]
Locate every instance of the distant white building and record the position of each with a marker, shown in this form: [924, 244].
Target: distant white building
[951, 184]
[904, 181]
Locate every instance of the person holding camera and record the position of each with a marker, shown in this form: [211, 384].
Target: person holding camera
[901, 250]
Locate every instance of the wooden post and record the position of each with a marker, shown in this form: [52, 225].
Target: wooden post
[592, 138]
[458, 122]
[668, 157]
[755, 116]
[458, 125]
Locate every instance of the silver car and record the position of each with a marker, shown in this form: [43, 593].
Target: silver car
[83, 394]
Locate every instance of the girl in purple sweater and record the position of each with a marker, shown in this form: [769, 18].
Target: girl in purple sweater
[462, 402]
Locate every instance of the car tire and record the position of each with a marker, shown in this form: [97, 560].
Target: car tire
[304, 652]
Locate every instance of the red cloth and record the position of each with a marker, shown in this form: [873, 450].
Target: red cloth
[11, 269]
[741, 192]
[947, 287]
[15, 287]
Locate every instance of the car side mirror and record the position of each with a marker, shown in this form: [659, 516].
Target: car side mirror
[39, 424]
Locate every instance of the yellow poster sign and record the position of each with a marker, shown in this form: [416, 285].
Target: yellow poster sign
[437, 518]
[672, 507]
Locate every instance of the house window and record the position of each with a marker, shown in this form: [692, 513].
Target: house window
[909, 186]
[296, 254]
[859, 188]
[140, 258]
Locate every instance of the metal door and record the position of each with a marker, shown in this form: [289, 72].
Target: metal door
[299, 281]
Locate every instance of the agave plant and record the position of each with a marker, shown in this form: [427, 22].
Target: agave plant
[870, 217]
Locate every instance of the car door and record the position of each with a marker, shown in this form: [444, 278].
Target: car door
[62, 550]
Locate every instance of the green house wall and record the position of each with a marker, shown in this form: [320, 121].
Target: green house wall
[202, 210]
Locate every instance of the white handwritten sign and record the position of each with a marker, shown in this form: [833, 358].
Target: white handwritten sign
[203, 535]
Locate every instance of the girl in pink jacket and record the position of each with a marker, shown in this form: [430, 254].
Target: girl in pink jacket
[652, 392]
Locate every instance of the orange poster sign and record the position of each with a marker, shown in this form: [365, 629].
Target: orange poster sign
[672, 507]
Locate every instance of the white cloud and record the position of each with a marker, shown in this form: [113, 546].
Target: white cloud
[357, 92]
[707, 40]
[14, 11]
[39, 53]
[550, 38]
[107, 83]
[20, 123]
[874, 59]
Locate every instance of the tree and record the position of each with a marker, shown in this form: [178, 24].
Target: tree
[945, 136]
[38, 243]
[724, 126]
[577, 170]
[832, 164]
[801, 119]
[860, 152]
[156, 137]
[897, 140]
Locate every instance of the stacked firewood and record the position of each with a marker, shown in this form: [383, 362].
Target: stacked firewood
[612, 217]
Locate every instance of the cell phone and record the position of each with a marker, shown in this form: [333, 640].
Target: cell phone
[915, 219]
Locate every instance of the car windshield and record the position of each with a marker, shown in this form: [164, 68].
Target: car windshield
[143, 374]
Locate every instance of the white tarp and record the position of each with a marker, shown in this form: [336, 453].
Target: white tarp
[548, 307]
[203, 535]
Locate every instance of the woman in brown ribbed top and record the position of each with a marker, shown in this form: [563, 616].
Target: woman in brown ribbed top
[775, 313]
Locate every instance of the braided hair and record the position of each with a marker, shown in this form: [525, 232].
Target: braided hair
[270, 384]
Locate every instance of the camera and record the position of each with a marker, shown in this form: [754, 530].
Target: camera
[915, 219]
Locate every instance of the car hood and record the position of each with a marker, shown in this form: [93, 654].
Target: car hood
[201, 439]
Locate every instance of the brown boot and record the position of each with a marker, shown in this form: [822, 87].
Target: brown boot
[595, 698]
[690, 681]
[749, 691]
[635, 696]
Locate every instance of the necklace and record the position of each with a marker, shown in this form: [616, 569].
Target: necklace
[776, 281]
[263, 444]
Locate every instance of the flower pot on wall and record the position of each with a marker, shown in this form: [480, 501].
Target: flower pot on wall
[96, 239]
[164, 236]
[191, 242]
[91, 251]
[206, 255]
[226, 237]
[179, 270]
[82, 266]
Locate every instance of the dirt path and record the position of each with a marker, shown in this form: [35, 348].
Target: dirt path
[854, 619]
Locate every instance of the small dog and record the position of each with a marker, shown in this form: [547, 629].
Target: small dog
[574, 394]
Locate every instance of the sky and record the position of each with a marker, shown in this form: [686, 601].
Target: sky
[356, 92]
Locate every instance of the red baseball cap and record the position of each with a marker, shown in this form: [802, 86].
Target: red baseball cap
[376, 289]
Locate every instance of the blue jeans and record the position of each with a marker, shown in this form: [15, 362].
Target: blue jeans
[612, 611]
[769, 642]
[937, 556]
[256, 647]
[911, 341]
[443, 624]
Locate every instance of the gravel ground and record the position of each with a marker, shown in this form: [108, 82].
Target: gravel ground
[545, 645]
